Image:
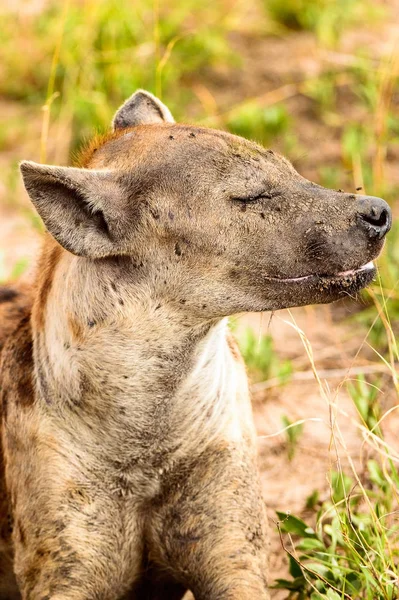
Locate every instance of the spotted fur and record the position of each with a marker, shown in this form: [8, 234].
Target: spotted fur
[129, 466]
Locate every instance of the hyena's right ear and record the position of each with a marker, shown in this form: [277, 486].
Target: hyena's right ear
[83, 209]
[141, 109]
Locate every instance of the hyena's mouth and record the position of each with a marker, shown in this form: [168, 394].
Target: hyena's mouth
[349, 276]
[320, 289]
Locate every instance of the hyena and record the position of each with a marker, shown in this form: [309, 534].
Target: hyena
[129, 446]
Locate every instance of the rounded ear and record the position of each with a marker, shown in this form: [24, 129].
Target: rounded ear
[81, 208]
[141, 109]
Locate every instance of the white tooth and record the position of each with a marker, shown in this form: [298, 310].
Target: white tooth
[370, 265]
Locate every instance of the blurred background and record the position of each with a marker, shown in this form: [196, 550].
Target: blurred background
[318, 81]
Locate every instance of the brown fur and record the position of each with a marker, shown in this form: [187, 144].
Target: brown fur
[129, 465]
[86, 154]
[14, 319]
[19, 350]
[76, 329]
[51, 254]
[15, 302]
[235, 351]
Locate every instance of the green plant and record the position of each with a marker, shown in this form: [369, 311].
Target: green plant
[327, 18]
[381, 311]
[353, 551]
[264, 124]
[83, 59]
[312, 500]
[261, 358]
[293, 433]
[323, 90]
[365, 397]
[330, 176]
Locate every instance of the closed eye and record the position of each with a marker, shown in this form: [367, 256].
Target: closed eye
[254, 198]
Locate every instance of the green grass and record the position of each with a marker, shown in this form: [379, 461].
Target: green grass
[365, 396]
[349, 545]
[327, 19]
[293, 433]
[353, 549]
[261, 358]
[265, 124]
[91, 56]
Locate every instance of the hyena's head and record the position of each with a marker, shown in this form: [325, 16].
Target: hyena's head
[217, 224]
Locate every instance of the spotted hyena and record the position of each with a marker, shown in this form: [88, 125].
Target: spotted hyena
[128, 438]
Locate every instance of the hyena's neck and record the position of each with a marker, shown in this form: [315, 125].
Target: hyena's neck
[126, 366]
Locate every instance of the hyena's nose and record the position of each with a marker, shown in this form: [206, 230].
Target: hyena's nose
[374, 215]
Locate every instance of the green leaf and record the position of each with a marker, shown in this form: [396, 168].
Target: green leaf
[291, 524]
[322, 570]
[295, 567]
[332, 595]
[311, 544]
[296, 584]
[353, 581]
[341, 485]
[376, 474]
[312, 500]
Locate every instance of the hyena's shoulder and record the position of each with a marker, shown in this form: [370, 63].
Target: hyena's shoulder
[15, 305]
[16, 365]
[16, 361]
[15, 341]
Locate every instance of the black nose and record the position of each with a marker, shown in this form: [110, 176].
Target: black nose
[374, 215]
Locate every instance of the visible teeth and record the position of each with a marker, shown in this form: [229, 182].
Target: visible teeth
[367, 267]
[370, 265]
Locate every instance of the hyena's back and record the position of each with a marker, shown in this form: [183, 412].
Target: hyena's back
[15, 304]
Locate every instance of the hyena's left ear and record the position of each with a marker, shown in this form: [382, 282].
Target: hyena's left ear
[83, 209]
[141, 109]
